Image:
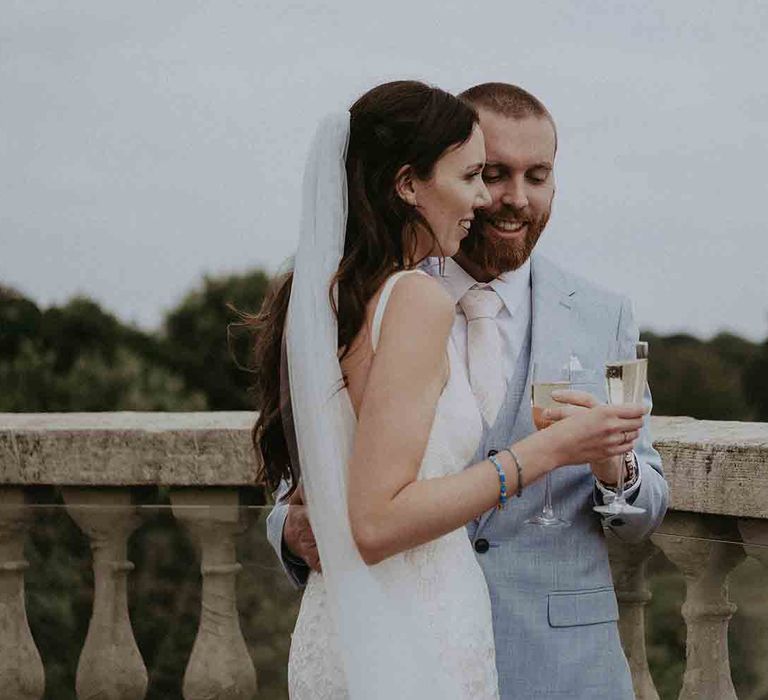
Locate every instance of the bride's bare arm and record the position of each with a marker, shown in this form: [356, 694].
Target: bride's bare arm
[390, 510]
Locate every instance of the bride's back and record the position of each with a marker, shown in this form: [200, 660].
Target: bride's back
[356, 365]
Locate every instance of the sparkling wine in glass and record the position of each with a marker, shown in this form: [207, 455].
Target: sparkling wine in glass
[547, 379]
[625, 383]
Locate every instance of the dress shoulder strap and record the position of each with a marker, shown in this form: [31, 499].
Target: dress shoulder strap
[381, 305]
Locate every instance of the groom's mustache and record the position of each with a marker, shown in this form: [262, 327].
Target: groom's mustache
[515, 215]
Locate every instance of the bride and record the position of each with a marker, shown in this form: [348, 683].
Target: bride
[363, 397]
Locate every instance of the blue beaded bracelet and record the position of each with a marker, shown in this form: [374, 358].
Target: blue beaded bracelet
[502, 479]
[519, 467]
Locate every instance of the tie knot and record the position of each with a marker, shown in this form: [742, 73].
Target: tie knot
[480, 303]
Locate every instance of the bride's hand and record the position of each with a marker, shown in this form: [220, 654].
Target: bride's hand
[588, 432]
[575, 402]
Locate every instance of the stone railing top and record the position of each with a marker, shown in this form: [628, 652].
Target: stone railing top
[717, 467]
[125, 449]
[712, 466]
[126, 422]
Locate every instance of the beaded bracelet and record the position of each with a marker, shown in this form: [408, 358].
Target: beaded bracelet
[502, 479]
[519, 467]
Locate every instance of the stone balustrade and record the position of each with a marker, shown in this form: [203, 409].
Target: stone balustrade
[718, 497]
[98, 461]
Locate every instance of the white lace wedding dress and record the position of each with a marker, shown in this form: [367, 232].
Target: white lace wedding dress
[444, 574]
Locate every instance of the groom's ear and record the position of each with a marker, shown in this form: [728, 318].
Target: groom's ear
[405, 185]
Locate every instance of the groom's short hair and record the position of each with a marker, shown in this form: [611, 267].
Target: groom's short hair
[507, 100]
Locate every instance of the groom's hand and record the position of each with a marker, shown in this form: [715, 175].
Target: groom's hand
[298, 537]
[574, 402]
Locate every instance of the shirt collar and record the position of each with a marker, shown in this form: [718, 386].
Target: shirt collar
[512, 286]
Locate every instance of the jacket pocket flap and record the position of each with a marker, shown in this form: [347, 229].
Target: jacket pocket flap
[571, 608]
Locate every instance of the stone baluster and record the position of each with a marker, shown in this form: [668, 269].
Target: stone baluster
[754, 533]
[628, 563]
[705, 564]
[21, 670]
[110, 666]
[220, 667]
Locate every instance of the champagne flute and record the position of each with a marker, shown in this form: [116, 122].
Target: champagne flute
[625, 384]
[546, 379]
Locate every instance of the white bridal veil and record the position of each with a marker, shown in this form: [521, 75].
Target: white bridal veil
[385, 643]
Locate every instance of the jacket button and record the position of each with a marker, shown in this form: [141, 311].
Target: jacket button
[481, 546]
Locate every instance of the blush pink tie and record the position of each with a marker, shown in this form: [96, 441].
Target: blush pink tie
[481, 306]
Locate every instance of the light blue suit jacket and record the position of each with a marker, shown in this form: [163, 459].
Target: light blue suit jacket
[554, 608]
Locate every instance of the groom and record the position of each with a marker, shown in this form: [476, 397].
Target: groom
[554, 608]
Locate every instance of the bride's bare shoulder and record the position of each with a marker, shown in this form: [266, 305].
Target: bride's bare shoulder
[418, 301]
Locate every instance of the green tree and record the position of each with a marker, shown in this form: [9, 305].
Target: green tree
[79, 358]
[756, 383]
[196, 340]
[690, 377]
[19, 319]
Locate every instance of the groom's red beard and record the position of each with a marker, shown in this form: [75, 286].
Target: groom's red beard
[496, 255]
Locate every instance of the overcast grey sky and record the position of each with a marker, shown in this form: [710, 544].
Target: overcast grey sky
[143, 144]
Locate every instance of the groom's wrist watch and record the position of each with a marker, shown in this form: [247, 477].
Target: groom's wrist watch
[630, 471]
[630, 465]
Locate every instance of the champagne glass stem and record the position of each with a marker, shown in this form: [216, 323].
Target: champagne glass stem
[619, 498]
[544, 382]
[548, 511]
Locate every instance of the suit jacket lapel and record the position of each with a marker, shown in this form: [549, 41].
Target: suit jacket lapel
[552, 337]
[552, 302]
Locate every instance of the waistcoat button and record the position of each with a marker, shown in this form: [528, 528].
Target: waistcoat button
[481, 546]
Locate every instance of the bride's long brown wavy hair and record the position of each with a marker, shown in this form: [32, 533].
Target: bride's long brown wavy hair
[395, 124]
